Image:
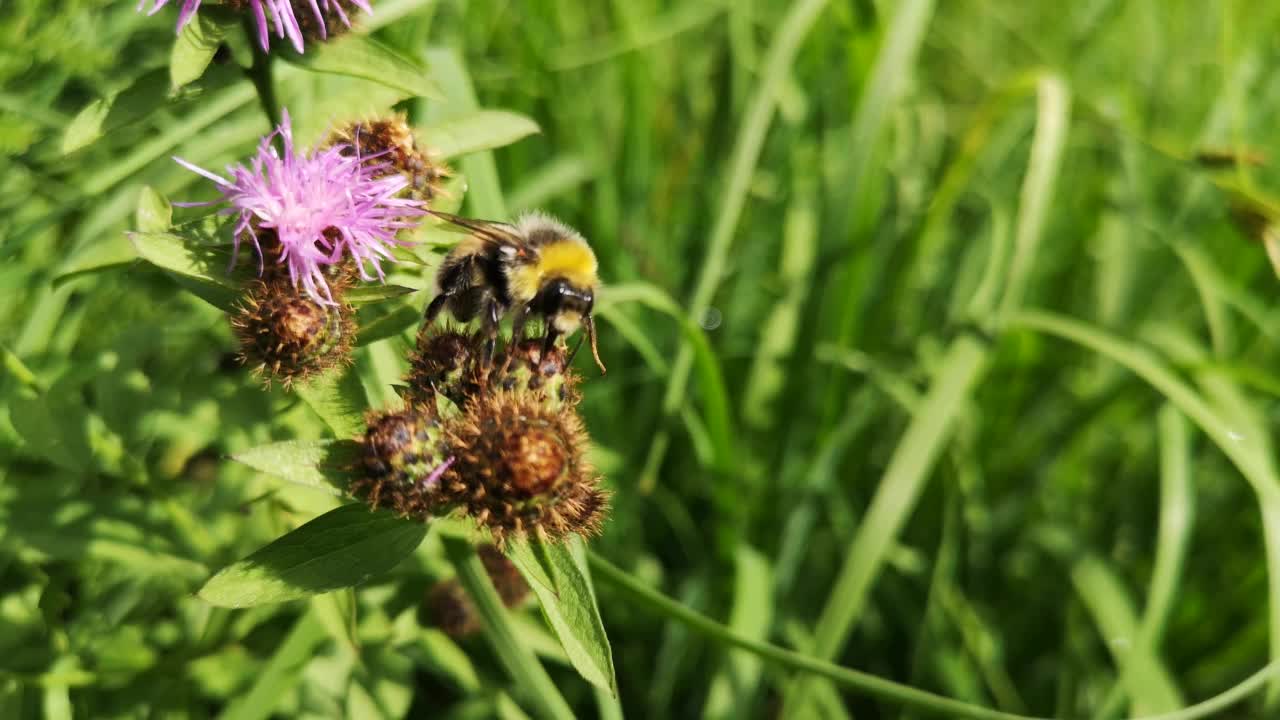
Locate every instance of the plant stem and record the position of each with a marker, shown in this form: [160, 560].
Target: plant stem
[520, 662]
[260, 75]
[606, 572]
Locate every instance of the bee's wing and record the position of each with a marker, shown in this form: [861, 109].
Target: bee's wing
[488, 230]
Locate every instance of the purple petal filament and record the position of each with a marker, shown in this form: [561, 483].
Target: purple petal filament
[323, 205]
[282, 16]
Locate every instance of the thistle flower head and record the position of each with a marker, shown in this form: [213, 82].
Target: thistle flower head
[520, 468]
[516, 447]
[392, 138]
[288, 337]
[401, 460]
[294, 19]
[321, 205]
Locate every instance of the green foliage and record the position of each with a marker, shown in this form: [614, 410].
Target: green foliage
[940, 361]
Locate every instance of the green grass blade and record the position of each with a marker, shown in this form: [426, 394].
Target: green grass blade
[1177, 518]
[746, 154]
[1245, 450]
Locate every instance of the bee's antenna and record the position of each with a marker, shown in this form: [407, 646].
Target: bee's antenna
[487, 229]
[589, 325]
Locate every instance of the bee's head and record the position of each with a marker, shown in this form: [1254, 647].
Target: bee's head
[566, 307]
[564, 304]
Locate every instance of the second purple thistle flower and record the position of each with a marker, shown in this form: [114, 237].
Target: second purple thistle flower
[287, 18]
[316, 208]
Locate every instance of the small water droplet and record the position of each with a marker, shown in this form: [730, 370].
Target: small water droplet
[711, 319]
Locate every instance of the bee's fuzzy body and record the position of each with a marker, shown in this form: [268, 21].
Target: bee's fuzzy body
[536, 266]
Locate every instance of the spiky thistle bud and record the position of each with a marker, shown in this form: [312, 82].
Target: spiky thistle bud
[526, 368]
[520, 468]
[400, 460]
[516, 447]
[336, 18]
[390, 146]
[445, 363]
[285, 335]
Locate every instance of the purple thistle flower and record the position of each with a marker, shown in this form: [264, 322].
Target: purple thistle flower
[322, 205]
[283, 16]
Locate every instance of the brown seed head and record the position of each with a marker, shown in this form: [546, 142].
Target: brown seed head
[451, 609]
[506, 577]
[443, 362]
[400, 460]
[520, 467]
[286, 336]
[389, 142]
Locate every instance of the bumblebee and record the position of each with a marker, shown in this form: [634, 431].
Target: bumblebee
[537, 266]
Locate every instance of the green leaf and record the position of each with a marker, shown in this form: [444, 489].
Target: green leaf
[558, 577]
[389, 325]
[517, 657]
[198, 43]
[319, 464]
[342, 548]
[154, 213]
[363, 57]
[146, 95]
[476, 131]
[734, 688]
[149, 94]
[338, 398]
[192, 265]
[375, 292]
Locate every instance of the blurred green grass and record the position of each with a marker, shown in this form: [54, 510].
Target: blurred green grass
[979, 390]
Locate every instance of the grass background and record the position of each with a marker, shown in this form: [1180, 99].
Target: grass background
[933, 353]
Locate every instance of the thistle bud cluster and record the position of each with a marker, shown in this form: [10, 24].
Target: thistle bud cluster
[320, 221]
[510, 446]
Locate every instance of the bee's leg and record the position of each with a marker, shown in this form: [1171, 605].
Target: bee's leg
[574, 352]
[490, 326]
[549, 340]
[518, 317]
[517, 323]
[433, 309]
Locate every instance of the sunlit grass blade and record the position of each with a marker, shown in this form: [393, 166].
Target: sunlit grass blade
[1243, 450]
[1177, 517]
[746, 154]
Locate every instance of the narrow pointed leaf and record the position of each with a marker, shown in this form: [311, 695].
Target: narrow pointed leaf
[342, 548]
[319, 464]
[476, 131]
[363, 57]
[568, 603]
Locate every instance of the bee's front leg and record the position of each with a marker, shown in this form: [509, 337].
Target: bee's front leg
[549, 340]
[434, 307]
[518, 317]
[492, 316]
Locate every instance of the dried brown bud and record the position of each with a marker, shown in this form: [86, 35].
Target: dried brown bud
[286, 336]
[390, 142]
[400, 461]
[506, 577]
[451, 609]
[520, 467]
